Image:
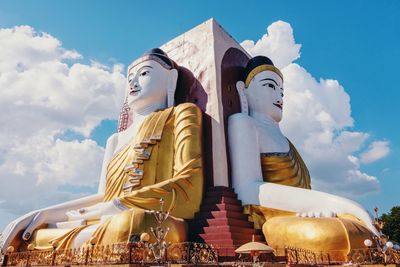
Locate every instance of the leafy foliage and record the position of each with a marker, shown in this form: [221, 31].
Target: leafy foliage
[392, 224]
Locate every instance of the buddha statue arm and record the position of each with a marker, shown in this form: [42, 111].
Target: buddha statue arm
[251, 189]
[112, 142]
[27, 223]
[182, 193]
[245, 158]
[62, 212]
[312, 202]
[57, 213]
[96, 209]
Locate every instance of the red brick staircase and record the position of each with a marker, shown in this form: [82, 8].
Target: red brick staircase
[221, 222]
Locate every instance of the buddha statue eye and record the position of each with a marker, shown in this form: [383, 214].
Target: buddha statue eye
[269, 85]
[144, 73]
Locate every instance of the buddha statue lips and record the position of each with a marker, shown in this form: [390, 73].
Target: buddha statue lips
[273, 182]
[278, 105]
[134, 91]
[157, 157]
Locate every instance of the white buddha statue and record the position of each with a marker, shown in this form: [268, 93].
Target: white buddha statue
[273, 182]
[157, 156]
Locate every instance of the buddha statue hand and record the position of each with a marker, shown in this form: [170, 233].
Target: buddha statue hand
[14, 228]
[26, 223]
[96, 211]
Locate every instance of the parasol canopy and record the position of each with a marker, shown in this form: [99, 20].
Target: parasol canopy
[253, 247]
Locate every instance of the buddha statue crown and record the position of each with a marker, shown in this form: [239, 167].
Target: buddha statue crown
[256, 65]
[157, 55]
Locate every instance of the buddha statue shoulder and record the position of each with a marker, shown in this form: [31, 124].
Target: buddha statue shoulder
[272, 180]
[158, 157]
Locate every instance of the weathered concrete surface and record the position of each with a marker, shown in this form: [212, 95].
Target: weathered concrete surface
[201, 50]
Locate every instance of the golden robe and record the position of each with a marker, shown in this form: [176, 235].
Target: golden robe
[285, 168]
[338, 235]
[164, 160]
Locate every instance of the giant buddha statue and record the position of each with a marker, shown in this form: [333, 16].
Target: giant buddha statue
[157, 157]
[272, 180]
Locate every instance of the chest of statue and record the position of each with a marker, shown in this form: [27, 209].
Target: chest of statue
[146, 160]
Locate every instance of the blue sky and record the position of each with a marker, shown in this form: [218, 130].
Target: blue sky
[353, 42]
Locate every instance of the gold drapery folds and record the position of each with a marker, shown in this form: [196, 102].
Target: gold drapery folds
[164, 160]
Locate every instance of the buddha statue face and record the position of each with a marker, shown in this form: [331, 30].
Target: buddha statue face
[265, 95]
[149, 84]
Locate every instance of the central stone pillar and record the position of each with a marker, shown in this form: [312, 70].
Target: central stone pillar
[215, 59]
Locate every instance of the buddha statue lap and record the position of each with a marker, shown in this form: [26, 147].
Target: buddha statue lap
[157, 157]
[273, 182]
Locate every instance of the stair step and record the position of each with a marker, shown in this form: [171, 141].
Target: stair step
[221, 206]
[221, 222]
[223, 199]
[221, 194]
[231, 229]
[219, 188]
[226, 251]
[221, 214]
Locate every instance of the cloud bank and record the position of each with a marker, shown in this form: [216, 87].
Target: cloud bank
[45, 93]
[317, 119]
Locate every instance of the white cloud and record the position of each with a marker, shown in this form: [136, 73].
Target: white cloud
[317, 118]
[278, 44]
[42, 171]
[42, 97]
[376, 151]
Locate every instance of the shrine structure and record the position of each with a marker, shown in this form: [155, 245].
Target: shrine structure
[191, 175]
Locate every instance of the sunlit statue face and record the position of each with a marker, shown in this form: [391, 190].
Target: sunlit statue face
[148, 84]
[265, 95]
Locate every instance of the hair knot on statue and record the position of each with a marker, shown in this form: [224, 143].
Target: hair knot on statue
[258, 64]
[157, 55]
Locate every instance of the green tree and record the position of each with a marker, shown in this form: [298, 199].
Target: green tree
[392, 224]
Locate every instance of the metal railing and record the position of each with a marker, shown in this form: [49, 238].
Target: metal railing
[131, 253]
[359, 256]
[191, 253]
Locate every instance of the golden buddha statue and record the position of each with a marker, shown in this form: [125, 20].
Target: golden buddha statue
[157, 157]
[273, 182]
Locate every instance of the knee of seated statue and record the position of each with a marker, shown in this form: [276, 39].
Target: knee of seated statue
[336, 235]
[119, 228]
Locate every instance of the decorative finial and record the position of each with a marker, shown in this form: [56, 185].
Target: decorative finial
[376, 211]
[161, 204]
[144, 237]
[10, 249]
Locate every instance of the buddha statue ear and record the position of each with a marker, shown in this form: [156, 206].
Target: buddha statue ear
[126, 115]
[240, 87]
[172, 82]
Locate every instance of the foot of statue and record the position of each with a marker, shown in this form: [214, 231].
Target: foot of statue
[317, 214]
[337, 235]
